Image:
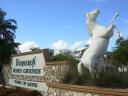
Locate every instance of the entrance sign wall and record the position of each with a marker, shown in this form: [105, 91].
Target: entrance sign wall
[28, 64]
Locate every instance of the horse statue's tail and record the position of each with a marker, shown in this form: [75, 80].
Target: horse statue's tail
[79, 66]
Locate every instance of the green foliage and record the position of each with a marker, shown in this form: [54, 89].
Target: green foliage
[119, 55]
[64, 55]
[111, 77]
[6, 50]
[85, 78]
[61, 57]
[7, 28]
[7, 36]
[71, 75]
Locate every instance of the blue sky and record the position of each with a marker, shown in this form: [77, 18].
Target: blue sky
[61, 23]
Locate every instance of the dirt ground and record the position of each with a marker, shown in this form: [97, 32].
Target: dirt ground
[17, 92]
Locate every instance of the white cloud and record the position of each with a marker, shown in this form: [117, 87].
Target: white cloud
[56, 52]
[26, 46]
[78, 45]
[60, 45]
[88, 42]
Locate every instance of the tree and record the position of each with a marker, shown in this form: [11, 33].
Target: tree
[7, 36]
[119, 55]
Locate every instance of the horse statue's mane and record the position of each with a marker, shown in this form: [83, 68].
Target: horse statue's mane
[100, 35]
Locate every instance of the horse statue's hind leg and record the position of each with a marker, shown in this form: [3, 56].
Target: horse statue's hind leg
[79, 66]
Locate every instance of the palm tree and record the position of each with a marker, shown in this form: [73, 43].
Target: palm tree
[7, 28]
[7, 36]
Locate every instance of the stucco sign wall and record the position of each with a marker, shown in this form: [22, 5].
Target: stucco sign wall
[40, 86]
[30, 64]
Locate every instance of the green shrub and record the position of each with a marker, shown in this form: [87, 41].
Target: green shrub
[109, 77]
[112, 78]
[72, 76]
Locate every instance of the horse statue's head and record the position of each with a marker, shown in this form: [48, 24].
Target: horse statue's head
[93, 14]
[91, 20]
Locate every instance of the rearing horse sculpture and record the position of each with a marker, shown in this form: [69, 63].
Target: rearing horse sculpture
[100, 35]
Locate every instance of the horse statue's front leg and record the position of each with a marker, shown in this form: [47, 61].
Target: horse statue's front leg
[109, 30]
[111, 26]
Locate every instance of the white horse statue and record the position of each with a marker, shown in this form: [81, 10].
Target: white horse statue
[100, 35]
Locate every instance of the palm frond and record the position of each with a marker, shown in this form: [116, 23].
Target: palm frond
[11, 20]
